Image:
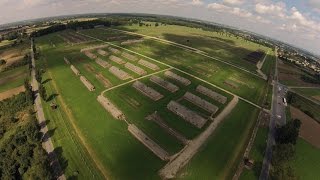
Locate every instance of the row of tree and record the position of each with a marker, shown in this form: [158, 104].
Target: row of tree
[21, 152]
[284, 151]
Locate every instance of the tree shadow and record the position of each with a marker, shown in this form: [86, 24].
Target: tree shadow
[57, 162]
[44, 123]
[48, 134]
[47, 80]
[52, 96]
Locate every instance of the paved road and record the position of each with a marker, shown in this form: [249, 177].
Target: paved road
[188, 48]
[47, 143]
[278, 117]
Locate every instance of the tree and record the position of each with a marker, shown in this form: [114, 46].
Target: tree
[288, 133]
[38, 76]
[157, 24]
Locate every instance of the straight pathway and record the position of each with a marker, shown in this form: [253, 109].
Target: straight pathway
[182, 71]
[170, 170]
[47, 143]
[197, 51]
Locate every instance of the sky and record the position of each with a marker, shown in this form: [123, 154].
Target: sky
[293, 21]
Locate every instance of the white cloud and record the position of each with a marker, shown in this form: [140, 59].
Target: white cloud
[278, 9]
[303, 20]
[233, 2]
[231, 10]
[197, 2]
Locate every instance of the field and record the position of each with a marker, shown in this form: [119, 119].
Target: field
[230, 78]
[13, 78]
[256, 154]
[220, 157]
[223, 46]
[309, 107]
[269, 64]
[313, 93]
[290, 75]
[86, 134]
[306, 161]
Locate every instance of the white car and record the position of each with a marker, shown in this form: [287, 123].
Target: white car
[278, 116]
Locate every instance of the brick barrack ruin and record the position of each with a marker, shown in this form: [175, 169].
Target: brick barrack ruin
[178, 78]
[187, 114]
[163, 83]
[147, 91]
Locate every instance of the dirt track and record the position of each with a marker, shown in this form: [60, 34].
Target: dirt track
[310, 129]
[11, 92]
[183, 157]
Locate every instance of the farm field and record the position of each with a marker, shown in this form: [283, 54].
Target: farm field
[13, 78]
[102, 142]
[232, 79]
[306, 160]
[223, 46]
[256, 154]
[290, 75]
[309, 107]
[219, 158]
[313, 93]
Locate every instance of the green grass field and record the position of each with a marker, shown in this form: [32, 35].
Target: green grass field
[306, 161]
[256, 154]
[21, 74]
[223, 151]
[249, 86]
[306, 105]
[93, 143]
[313, 93]
[223, 46]
[268, 67]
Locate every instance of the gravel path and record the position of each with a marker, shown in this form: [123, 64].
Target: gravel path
[183, 157]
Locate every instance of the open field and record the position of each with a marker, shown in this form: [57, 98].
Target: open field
[221, 154]
[222, 46]
[269, 64]
[13, 78]
[309, 107]
[87, 134]
[310, 129]
[290, 75]
[256, 154]
[311, 93]
[243, 84]
[306, 161]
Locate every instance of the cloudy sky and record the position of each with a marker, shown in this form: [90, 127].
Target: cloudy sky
[294, 21]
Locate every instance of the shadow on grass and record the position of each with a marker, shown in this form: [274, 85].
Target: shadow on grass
[56, 158]
[52, 96]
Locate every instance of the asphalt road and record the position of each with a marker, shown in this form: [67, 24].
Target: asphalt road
[46, 140]
[278, 118]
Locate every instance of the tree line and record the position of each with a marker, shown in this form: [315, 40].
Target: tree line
[21, 152]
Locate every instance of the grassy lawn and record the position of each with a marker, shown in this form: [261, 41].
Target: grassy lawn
[257, 154]
[90, 138]
[249, 86]
[15, 81]
[121, 155]
[306, 161]
[269, 64]
[222, 153]
[223, 46]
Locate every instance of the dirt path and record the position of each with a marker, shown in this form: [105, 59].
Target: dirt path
[184, 156]
[46, 141]
[310, 129]
[11, 92]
